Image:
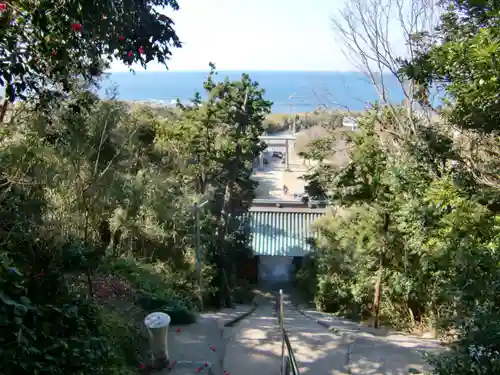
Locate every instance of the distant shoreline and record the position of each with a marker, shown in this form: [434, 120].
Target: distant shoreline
[291, 92]
[238, 71]
[163, 104]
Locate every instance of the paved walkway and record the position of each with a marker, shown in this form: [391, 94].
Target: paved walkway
[373, 351]
[270, 183]
[254, 346]
[190, 346]
[272, 178]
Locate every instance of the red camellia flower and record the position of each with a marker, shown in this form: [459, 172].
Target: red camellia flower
[141, 50]
[178, 330]
[206, 364]
[130, 54]
[121, 38]
[3, 7]
[54, 53]
[77, 27]
[142, 366]
[41, 274]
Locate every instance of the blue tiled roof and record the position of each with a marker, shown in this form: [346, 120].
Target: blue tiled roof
[282, 233]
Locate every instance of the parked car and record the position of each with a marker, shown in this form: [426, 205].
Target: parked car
[278, 154]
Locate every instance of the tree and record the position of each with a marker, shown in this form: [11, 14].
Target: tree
[218, 139]
[374, 35]
[234, 116]
[48, 46]
[460, 57]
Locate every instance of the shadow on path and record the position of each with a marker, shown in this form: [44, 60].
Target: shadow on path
[254, 346]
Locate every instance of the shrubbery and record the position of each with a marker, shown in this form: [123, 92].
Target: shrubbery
[51, 333]
[97, 223]
[415, 241]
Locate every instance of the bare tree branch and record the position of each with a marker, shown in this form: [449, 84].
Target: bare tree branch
[375, 34]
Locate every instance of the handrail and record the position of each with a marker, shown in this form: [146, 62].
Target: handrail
[288, 363]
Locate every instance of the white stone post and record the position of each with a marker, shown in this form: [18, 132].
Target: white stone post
[157, 324]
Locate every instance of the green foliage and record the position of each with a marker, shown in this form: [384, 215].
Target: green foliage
[124, 335]
[58, 335]
[104, 190]
[160, 288]
[409, 228]
[461, 57]
[175, 308]
[476, 350]
[45, 44]
[465, 63]
[148, 276]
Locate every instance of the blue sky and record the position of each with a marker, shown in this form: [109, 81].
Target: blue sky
[255, 35]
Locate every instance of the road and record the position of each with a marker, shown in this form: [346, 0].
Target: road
[274, 176]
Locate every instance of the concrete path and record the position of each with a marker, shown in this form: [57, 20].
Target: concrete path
[366, 350]
[190, 346]
[270, 183]
[316, 350]
[272, 178]
[254, 345]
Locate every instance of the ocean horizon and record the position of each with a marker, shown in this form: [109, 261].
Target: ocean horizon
[290, 91]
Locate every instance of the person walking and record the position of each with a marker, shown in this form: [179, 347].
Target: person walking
[285, 189]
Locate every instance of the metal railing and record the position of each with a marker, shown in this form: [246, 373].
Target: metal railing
[288, 362]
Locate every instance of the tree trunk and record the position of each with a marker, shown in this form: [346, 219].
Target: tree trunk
[3, 110]
[223, 227]
[377, 295]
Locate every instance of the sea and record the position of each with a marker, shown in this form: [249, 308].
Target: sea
[290, 92]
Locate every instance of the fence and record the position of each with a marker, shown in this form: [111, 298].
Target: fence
[288, 362]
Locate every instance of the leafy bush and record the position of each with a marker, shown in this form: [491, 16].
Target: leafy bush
[334, 294]
[93, 189]
[124, 334]
[174, 307]
[62, 335]
[306, 278]
[243, 292]
[156, 280]
[477, 350]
